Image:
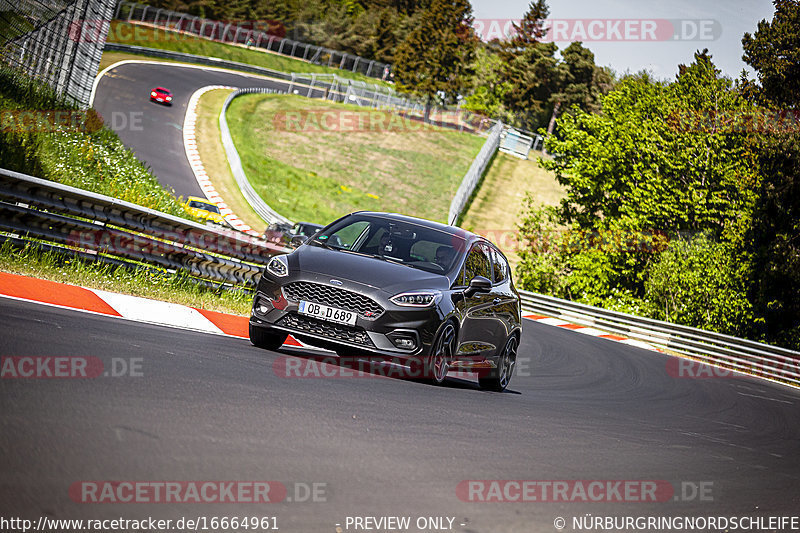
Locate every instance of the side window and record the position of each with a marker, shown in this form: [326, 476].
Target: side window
[500, 267]
[347, 236]
[477, 264]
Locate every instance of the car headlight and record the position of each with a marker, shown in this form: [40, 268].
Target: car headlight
[417, 298]
[278, 266]
[169, 98]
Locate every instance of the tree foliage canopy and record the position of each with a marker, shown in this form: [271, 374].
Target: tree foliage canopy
[437, 55]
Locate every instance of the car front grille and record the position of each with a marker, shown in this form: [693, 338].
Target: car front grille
[334, 297]
[338, 332]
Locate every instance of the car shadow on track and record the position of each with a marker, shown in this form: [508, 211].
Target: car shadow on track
[300, 364]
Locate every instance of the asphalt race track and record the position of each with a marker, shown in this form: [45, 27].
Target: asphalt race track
[205, 407]
[152, 130]
[186, 406]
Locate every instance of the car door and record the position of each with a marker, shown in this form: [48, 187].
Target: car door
[504, 301]
[479, 329]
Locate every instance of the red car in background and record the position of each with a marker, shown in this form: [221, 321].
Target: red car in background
[161, 95]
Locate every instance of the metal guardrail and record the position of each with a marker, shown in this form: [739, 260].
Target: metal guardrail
[518, 144]
[331, 87]
[235, 162]
[751, 357]
[198, 60]
[473, 175]
[90, 224]
[246, 34]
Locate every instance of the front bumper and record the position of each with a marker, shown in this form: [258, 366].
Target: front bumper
[379, 336]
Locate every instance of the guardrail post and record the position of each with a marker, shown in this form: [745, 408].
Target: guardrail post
[311, 86]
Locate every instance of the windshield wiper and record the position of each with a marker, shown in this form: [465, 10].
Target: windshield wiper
[390, 260]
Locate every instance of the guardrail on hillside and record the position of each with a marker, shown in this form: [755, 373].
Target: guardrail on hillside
[92, 225]
[330, 87]
[761, 360]
[235, 162]
[473, 175]
[246, 34]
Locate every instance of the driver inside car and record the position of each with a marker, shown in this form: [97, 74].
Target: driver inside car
[444, 254]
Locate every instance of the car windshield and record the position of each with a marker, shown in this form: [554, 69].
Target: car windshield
[204, 206]
[402, 242]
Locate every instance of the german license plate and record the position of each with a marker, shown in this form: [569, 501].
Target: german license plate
[331, 314]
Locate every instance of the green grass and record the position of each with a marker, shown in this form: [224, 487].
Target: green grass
[495, 208]
[152, 37]
[12, 25]
[89, 156]
[317, 176]
[109, 58]
[147, 283]
[216, 162]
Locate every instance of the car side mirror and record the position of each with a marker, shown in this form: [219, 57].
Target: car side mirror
[298, 240]
[478, 284]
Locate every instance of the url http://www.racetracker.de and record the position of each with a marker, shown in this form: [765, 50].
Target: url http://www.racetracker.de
[589, 522]
[45, 524]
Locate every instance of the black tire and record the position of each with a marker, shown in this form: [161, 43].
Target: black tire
[497, 380]
[442, 352]
[267, 339]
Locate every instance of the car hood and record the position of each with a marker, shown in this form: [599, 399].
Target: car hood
[376, 273]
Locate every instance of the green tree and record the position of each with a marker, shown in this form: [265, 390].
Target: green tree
[531, 28]
[434, 61]
[655, 162]
[775, 241]
[701, 282]
[543, 266]
[532, 75]
[489, 87]
[774, 52]
[580, 83]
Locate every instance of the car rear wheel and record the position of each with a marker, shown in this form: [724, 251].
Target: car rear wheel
[269, 340]
[498, 379]
[442, 354]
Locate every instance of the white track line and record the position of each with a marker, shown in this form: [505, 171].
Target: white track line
[199, 171]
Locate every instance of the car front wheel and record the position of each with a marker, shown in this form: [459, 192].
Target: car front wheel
[497, 380]
[442, 354]
[269, 340]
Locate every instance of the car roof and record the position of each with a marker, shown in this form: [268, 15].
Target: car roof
[161, 89]
[198, 199]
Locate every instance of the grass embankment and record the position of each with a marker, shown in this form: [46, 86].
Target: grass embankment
[71, 147]
[152, 37]
[495, 208]
[215, 161]
[109, 58]
[95, 160]
[317, 168]
[145, 283]
[12, 25]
